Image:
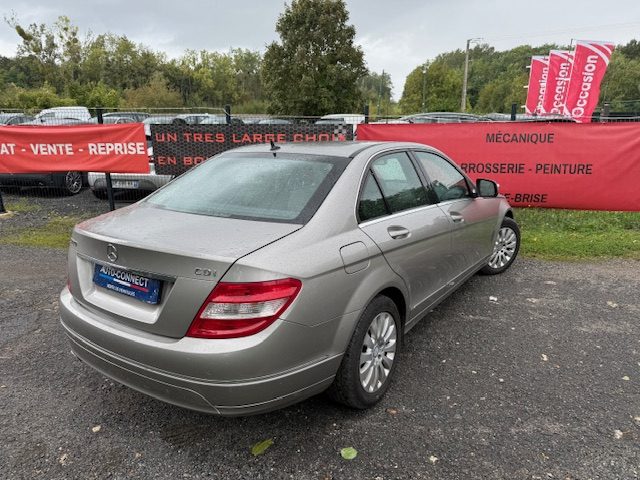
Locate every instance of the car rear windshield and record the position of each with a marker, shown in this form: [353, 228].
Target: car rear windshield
[285, 188]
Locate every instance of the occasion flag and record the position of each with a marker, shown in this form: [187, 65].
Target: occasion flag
[589, 66]
[560, 62]
[539, 70]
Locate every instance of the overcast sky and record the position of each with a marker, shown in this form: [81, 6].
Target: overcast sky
[396, 36]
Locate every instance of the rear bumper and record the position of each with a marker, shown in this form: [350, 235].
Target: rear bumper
[224, 397]
[146, 181]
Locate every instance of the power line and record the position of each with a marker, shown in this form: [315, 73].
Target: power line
[566, 30]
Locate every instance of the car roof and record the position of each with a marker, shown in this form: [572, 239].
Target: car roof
[332, 149]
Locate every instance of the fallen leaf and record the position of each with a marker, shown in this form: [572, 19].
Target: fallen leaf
[138, 455]
[550, 282]
[501, 380]
[493, 299]
[544, 357]
[612, 304]
[433, 459]
[63, 459]
[618, 434]
[261, 447]
[626, 378]
[392, 411]
[96, 429]
[533, 300]
[636, 419]
[348, 453]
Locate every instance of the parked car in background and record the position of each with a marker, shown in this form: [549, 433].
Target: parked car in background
[156, 120]
[135, 116]
[444, 117]
[113, 119]
[220, 120]
[138, 183]
[524, 117]
[275, 121]
[191, 118]
[14, 118]
[268, 274]
[69, 183]
[49, 114]
[352, 119]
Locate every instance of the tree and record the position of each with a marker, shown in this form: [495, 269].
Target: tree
[315, 68]
[442, 86]
[376, 90]
[156, 94]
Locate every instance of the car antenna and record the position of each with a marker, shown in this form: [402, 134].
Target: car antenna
[274, 147]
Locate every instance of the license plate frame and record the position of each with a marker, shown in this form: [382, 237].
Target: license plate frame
[127, 283]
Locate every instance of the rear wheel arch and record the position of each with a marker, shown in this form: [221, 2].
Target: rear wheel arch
[396, 297]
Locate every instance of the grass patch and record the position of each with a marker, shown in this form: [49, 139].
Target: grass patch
[577, 235]
[54, 234]
[22, 206]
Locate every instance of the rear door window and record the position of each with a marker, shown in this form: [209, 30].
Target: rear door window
[399, 182]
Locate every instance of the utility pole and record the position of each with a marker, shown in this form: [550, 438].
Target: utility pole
[424, 85]
[463, 103]
[380, 94]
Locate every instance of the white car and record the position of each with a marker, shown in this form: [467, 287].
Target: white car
[140, 182]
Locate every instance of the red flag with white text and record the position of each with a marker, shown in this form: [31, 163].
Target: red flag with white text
[589, 66]
[560, 62]
[537, 83]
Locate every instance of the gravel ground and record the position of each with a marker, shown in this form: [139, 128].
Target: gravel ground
[533, 374]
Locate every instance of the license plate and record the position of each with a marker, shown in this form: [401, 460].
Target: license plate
[125, 184]
[127, 283]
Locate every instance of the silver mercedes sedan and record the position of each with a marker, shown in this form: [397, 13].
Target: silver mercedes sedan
[271, 273]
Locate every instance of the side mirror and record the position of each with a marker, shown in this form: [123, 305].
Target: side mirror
[486, 188]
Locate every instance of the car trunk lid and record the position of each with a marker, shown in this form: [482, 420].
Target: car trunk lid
[186, 254]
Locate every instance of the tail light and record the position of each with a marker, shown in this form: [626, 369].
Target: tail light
[241, 309]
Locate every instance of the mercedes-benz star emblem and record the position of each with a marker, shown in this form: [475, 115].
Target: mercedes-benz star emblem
[112, 253]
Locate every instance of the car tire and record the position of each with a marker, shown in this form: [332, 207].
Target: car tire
[101, 194]
[506, 248]
[71, 183]
[371, 357]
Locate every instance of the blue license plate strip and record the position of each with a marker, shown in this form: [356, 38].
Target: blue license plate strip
[127, 283]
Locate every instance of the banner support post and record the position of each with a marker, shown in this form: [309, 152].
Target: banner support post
[107, 175]
[366, 113]
[514, 110]
[2, 209]
[227, 113]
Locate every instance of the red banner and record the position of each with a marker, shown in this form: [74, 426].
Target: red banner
[552, 165]
[589, 66]
[538, 73]
[88, 148]
[560, 62]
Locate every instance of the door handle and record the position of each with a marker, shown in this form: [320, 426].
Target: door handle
[456, 217]
[398, 232]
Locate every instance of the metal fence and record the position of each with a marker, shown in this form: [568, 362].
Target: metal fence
[94, 192]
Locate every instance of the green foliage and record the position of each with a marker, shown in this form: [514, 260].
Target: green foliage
[54, 234]
[35, 98]
[376, 89]
[316, 67]
[155, 94]
[442, 86]
[621, 83]
[495, 80]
